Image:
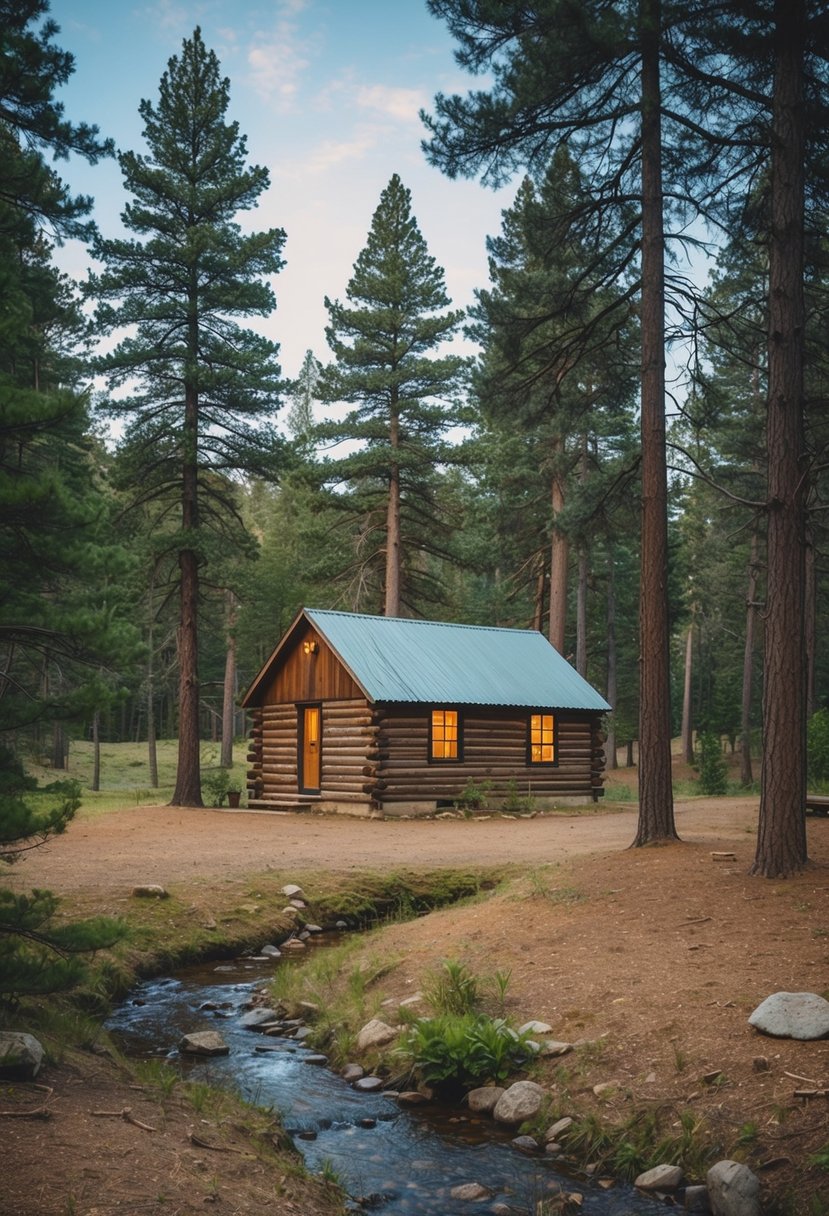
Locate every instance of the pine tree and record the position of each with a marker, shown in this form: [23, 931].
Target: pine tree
[207, 385]
[382, 339]
[303, 393]
[53, 550]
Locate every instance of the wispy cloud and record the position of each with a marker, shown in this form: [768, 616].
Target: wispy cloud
[279, 57]
[331, 152]
[402, 105]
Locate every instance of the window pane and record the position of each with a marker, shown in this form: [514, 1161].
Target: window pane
[444, 734]
[542, 739]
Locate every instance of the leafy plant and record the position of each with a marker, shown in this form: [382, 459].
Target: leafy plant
[453, 989]
[455, 1051]
[817, 747]
[713, 772]
[516, 802]
[215, 783]
[473, 796]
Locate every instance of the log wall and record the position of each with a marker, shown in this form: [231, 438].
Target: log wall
[376, 755]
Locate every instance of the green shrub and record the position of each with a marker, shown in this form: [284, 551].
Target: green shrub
[473, 795]
[817, 743]
[464, 1051]
[713, 772]
[215, 784]
[453, 989]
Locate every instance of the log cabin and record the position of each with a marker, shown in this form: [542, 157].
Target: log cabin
[386, 716]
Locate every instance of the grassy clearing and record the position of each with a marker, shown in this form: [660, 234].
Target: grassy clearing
[125, 773]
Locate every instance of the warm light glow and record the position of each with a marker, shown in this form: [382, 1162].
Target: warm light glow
[310, 647]
[542, 739]
[444, 734]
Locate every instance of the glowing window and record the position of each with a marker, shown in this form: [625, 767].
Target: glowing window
[542, 739]
[444, 734]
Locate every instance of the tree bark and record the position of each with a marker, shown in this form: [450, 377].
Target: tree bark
[687, 721]
[781, 834]
[581, 616]
[229, 686]
[612, 668]
[392, 597]
[559, 558]
[746, 770]
[95, 783]
[188, 773]
[656, 810]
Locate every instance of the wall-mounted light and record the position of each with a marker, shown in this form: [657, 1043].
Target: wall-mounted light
[310, 647]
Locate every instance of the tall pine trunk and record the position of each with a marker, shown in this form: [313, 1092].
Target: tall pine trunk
[392, 596]
[559, 559]
[746, 771]
[612, 667]
[656, 809]
[687, 718]
[781, 834]
[95, 783]
[188, 773]
[229, 686]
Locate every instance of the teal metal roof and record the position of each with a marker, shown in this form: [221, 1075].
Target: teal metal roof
[396, 659]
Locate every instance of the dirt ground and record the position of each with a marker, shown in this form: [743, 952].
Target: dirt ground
[656, 956]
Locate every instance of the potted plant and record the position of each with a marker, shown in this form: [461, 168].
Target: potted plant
[234, 794]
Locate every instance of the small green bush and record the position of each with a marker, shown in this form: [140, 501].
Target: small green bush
[457, 1052]
[713, 772]
[215, 785]
[473, 795]
[817, 743]
[453, 989]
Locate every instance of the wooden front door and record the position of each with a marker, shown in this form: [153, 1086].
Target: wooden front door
[310, 752]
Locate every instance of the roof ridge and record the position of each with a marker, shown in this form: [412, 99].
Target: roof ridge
[413, 620]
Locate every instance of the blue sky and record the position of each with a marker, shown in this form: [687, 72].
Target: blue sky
[327, 93]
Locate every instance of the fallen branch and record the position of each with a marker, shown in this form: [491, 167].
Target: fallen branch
[795, 1076]
[811, 1093]
[125, 1114]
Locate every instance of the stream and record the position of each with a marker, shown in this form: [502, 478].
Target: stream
[400, 1162]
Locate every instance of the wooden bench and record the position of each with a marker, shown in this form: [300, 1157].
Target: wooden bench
[817, 804]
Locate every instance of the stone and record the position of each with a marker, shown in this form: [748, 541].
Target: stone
[21, 1055]
[309, 1009]
[271, 951]
[258, 1017]
[290, 912]
[341, 924]
[792, 1015]
[660, 1178]
[525, 1144]
[484, 1100]
[415, 999]
[293, 943]
[696, 1200]
[605, 1088]
[558, 1128]
[551, 1047]
[521, 1101]
[369, 1085]
[150, 890]
[313, 928]
[376, 1034]
[411, 1097]
[352, 1072]
[292, 891]
[204, 1043]
[299, 904]
[733, 1190]
[534, 1027]
[470, 1192]
[760, 1064]
[317, 1058]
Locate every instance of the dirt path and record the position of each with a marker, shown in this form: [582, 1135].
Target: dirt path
[169, 844]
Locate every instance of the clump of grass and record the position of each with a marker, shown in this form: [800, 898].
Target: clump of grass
[454, 989]
[456, 1051]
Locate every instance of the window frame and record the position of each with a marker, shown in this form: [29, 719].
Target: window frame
[542, 713]
[458, 757]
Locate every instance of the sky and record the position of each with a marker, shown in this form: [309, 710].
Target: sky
[328, 94]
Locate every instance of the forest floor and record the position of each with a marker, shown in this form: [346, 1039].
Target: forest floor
[655, 956]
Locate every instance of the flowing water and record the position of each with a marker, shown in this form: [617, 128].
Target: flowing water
[406, 1161]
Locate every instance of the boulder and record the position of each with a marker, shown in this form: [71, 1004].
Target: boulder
[792, 1015]
[525, 1144]
[369, 1085]
[204, 1043]
[521, 1101]
[21, 1055]
[696, 1200]
[411, 1097]
[733, 1190]
[352, 1072]
[534, 1027]
[271, 951]
[150, 890]
[258, 1017]
[558, 1128]
[552, 1047]
[660, 1178]
[484, 1100]
[470, 1192]
[376, 1034]
[292, 891]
